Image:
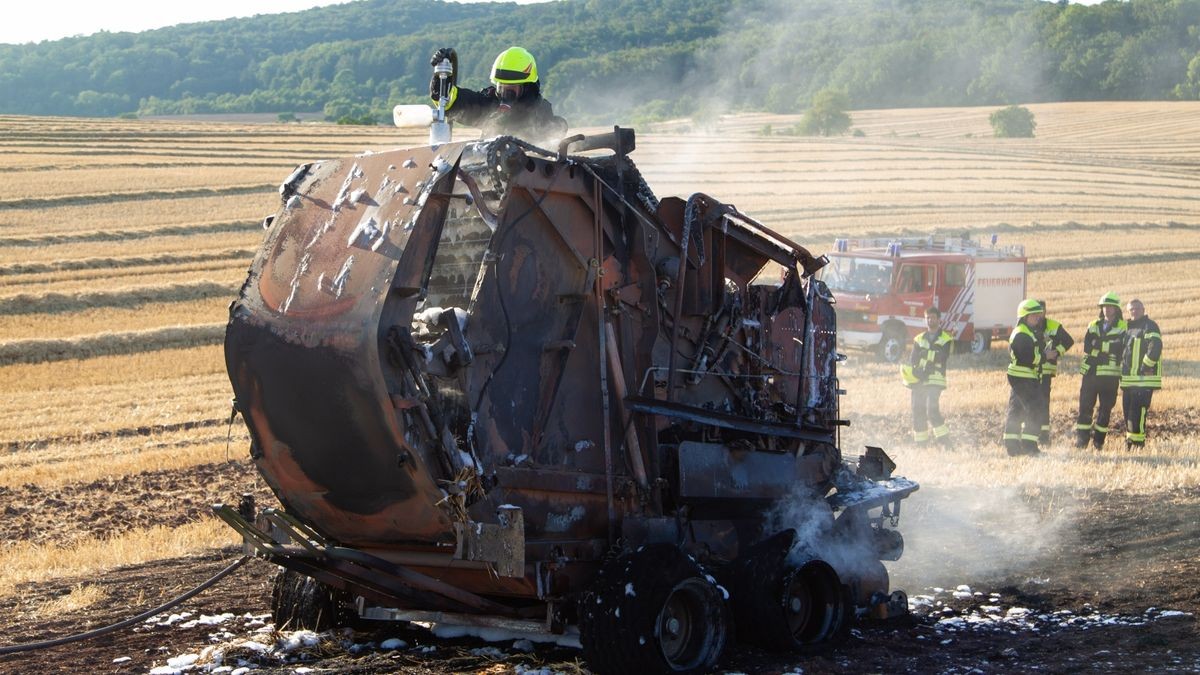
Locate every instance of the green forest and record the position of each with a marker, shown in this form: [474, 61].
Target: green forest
[624, 61]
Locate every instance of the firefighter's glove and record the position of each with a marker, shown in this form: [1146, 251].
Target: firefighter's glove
[444, 53]
[435, 89]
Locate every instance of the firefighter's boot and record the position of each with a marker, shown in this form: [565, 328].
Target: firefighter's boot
[1013, 446]
[1082, 436]
[1098, 439]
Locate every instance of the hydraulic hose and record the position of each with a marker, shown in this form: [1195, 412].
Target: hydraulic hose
[33, 646]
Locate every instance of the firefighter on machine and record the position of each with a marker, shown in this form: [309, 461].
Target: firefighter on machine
[1056, 341]
[925, 375]
[1101, 369]
[513, 105]
[1023, 421]
[1141, 371]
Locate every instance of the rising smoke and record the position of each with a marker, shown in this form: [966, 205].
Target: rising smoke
[968, 534]
[978, 534]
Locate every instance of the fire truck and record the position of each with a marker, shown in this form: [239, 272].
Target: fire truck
[883, 286]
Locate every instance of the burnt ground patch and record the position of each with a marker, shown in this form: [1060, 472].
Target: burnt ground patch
[1121, 595]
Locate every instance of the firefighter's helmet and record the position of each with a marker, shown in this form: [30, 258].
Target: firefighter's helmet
[1028, 307]
[1110, 299]
[514, 65]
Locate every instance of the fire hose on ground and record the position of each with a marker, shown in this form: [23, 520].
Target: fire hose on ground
[33, 646]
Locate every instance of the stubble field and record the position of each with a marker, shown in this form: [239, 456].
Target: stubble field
[122, 243]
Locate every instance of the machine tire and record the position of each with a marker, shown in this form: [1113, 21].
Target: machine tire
[891, 347]
[299, 602]
[783, 603]
[653, 610]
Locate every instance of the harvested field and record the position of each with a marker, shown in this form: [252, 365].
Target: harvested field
[122, 243]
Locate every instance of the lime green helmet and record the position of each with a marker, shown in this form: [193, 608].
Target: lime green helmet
[514, 65]
[1028, 307]
[1110, 299]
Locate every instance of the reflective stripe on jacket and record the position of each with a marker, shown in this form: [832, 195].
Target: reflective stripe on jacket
[1058, 339]
[1024, 355]
[928, 362]
[1141, 362]
[1102, 349]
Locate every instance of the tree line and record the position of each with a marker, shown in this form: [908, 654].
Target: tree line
[626, 61]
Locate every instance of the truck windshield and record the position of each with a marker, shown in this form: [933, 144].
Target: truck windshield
[858, 275]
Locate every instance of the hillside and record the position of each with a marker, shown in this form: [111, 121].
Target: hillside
[625, 60]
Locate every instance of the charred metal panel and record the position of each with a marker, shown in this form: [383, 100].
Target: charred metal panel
[303, 356]
[534, 301]
[501, 545]
[714, 471]
[820, 393]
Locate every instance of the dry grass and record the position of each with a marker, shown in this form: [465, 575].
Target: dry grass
[41, 350]
[1163, 467]
[73, 292]
[26, 563]
[67, 462]
[81, 596]
[119, 180]
[73, 220]
[122, 319]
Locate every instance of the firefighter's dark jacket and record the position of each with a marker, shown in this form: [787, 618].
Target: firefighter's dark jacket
[1025, 355]
[1141, 362]
[529, 117]
[1102, 348]
[927, 365]
[1058, 339]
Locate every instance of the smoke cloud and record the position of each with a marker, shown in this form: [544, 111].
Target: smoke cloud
[952, 536]
[972, 534]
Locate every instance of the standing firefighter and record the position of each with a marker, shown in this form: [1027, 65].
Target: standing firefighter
[1022, 423]
[512, 105]
[1101, 369]
[1141, 371]
[1056, 341]
[925, 375]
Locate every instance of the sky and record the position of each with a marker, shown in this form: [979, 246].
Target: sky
[39, 20]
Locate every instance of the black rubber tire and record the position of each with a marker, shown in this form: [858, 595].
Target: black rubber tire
[893, 344]
[978, 344]
[299, 602]
[653, 610]
[785, 603]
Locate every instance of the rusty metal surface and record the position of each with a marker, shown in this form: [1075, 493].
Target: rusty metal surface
[430, 337]
[303, 352]
[502, 544]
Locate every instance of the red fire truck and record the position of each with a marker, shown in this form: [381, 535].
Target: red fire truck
[883, 286]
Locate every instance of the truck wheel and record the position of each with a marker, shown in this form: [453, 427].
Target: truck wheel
[891, 347]
[299, 602]
[653, 610]
[980, 343]
[786, 603]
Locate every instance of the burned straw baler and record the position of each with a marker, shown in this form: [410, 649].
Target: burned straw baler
[495, 385]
